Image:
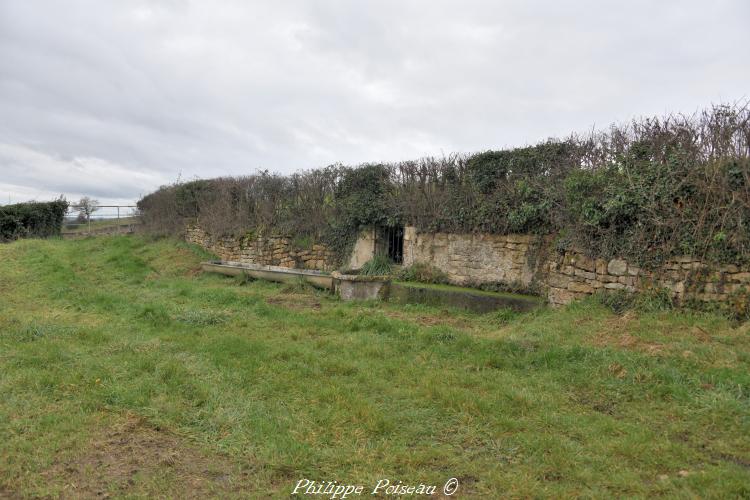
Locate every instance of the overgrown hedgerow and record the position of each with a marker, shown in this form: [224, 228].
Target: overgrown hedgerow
[32, 220]
[652, 189]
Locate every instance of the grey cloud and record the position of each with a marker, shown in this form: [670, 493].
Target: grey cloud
[113, 99]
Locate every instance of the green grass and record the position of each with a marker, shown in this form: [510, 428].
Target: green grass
[379, 265]
[124, 370]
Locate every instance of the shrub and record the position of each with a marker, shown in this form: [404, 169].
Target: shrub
[379, 265]
[617, 301]
[32, 220]
[651, 300]
[502, 316]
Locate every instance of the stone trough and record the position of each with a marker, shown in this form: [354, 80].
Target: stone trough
[318, 279]
[352, 286]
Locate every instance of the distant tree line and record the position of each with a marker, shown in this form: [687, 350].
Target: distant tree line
[646, 190]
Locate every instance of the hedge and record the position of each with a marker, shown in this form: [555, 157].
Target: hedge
[32, 220]
[647, 190]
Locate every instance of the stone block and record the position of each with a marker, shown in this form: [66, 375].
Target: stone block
[601, 266]
[682, 259]
[618, 267]
[626, 280]
[692, 266]
[558, 280]
[739, 277]
[585, 274]
[585, 263]
[580, 287]
[558, 296]
[614, 286]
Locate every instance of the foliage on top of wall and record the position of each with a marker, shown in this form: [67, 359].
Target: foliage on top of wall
[648, 190]
[32, 220]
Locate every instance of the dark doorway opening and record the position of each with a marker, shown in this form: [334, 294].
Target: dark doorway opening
[391, 243]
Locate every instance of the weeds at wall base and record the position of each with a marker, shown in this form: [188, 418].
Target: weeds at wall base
[661, 299]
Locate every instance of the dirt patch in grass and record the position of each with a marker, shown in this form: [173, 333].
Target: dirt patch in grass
[700, 334]
[7, 494]
[295, 301]
[614, 333]
[444, 318]
[193, 272]
[627, 341]
[617, 332]
[136, 458]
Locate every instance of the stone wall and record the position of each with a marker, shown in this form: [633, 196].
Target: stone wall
[519, 261]
[574, 275]
[264, 250]
[476, 258]
[526, 261]
[364, 249]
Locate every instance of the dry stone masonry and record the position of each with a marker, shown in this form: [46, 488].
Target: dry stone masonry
[470, 259]
[527, 261]
[521, 261]
[574, 275]
[264, 250]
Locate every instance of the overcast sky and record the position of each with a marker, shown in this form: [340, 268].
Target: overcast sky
[112, 98]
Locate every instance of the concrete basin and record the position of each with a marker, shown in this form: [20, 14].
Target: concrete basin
[351, 286]
[318, 279]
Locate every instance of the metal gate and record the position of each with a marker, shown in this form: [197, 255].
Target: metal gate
[104, 219]
[390, 242]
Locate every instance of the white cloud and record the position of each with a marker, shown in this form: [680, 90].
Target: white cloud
[32, 175]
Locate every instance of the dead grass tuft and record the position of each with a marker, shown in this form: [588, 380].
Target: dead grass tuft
[614, 333]
[295, 301]
[132, 457]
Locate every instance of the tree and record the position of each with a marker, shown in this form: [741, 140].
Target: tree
[87, 206]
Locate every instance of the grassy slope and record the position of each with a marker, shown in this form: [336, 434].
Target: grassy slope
[237, 388]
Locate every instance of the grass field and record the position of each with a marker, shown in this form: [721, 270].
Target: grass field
[125, 371]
